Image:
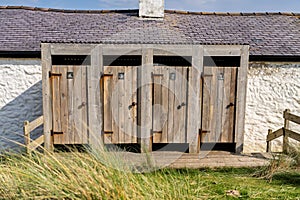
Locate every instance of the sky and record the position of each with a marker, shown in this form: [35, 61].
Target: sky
[190, 5]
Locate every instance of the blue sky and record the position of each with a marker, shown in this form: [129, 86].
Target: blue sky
[191, 5]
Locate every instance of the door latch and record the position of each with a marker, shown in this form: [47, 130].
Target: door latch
[181, 105]
[132, 105]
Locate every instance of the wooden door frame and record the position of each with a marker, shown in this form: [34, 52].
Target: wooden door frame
[147, 51]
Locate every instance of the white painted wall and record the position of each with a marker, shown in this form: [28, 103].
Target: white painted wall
[20, 98]
[271, 89]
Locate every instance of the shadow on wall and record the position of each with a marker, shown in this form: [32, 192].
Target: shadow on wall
[26, 106]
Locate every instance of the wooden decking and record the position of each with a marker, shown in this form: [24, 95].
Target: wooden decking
[178, 160]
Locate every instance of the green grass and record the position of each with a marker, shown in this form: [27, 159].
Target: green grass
[82, 176]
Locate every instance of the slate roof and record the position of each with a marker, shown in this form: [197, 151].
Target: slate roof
[23, 29]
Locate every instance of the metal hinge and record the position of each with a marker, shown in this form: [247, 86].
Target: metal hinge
[56, 133]
[54, 74]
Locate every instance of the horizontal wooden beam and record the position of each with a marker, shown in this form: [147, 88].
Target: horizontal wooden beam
[36, 143]
[72, 49]
[121, 51]
[275, 134]
[223, 50]
[291, 117]
[34, 124]
[292, 134]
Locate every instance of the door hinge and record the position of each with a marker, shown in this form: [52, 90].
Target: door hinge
[56, 133]
[203, 131]
[54, 74]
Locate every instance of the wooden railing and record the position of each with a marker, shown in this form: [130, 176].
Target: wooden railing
[29, 127]
[284, 131]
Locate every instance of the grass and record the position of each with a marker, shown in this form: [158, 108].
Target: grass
[78, 175]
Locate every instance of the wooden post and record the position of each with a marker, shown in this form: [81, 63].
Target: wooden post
[193, 113]
[95, 111]
[47, 106]
[145, 98]
[285, 143]
[241, 99]
[26, 135]
[269, 143]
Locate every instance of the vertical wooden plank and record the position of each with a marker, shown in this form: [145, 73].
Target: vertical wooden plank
[128, 107]
[184, 92]
[69, 138]
[226, 105]
[206, 105]
[156, 105]
[134, 110]
[193, 112]
[77, 105]
[285, 143]
[269, 143]
[115, 106]
[213, 105]
[232, 104]
[164, 103]
[47, 107]
[121, 93]
[171, 105]
[178, 107]
[56, 102]
[241, 99]
[219, 107]
[83, 105]
[95, 98]
[64, 105]
[107, 109]
[145, 86]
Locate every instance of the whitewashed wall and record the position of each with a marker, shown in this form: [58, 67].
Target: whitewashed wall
[20, 98]
[272, 88]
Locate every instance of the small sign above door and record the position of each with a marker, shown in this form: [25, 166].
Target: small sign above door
[70, 75]
[121, 76]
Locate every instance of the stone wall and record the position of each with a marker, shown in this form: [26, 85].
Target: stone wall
[272, 88]
[20, 98]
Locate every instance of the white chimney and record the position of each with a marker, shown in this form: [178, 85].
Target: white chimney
[151, 8]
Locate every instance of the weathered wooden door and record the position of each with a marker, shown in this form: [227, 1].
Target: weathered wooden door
[69, 101]
[120, 104]
[169, 104]
[218, 104]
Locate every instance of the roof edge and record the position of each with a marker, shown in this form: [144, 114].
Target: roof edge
[166, 11]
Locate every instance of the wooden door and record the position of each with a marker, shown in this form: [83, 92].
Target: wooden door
[69, 104]
[218, 104]
[120, 104]
[169, 104]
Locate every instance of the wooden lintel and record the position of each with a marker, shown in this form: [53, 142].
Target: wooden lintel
[72, 49]
[223, 50]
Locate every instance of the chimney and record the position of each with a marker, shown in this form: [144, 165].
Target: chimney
[151, 9]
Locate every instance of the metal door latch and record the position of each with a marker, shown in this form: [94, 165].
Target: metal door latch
[132, 105]
[181, 105]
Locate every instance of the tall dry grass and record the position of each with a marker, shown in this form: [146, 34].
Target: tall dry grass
[77, 175]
